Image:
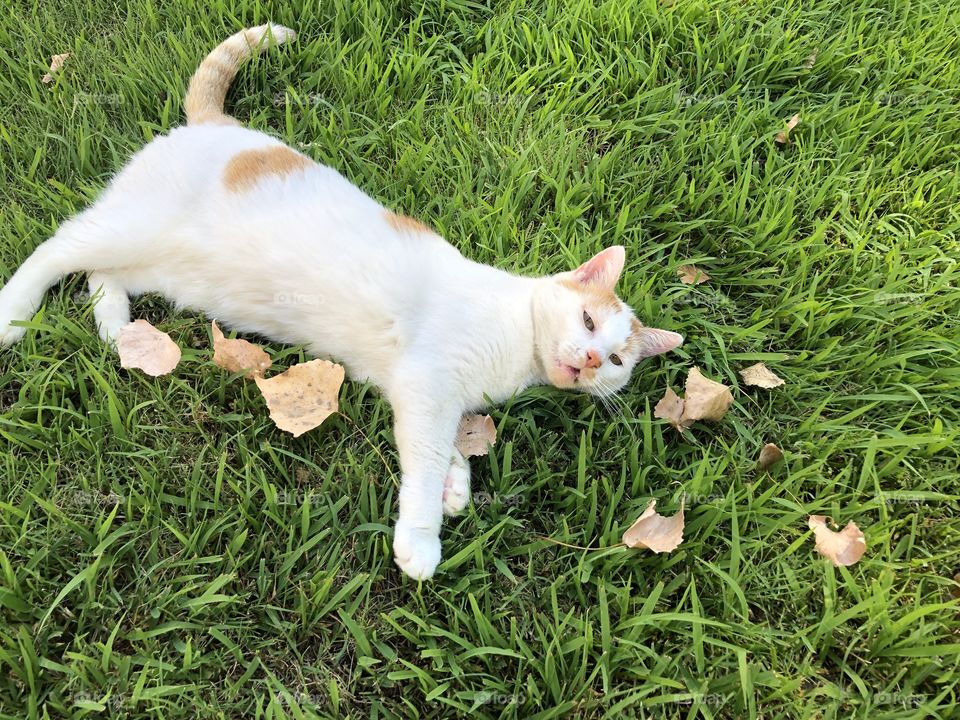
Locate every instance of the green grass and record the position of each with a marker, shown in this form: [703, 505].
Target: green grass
[165, 552]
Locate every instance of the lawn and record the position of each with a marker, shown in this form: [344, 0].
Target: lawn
[166, 552]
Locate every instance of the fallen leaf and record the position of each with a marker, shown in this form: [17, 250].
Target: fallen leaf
[654, 531]
[670, 408]
[783, 137]
[760, 376]
[692, 275]
[704, 399]
[304, 396]
[140, 345]
[770, 455]
[842, 548]
[238, 355]
[475, 435]
[810, 60]
[56, 62]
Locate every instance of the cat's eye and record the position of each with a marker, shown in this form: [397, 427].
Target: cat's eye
[587, 321]
[615, 359]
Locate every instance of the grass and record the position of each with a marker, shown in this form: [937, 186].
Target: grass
[165, 552]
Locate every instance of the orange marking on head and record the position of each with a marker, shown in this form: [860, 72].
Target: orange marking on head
[247, 168]
[593, 295]
[402, 223]
[633, 341]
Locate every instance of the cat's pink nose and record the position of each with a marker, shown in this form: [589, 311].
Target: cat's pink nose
[593, 359]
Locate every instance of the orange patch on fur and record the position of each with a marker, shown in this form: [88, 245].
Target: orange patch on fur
[247, 168]
[402, 223]
[594, 296]
[633, 342]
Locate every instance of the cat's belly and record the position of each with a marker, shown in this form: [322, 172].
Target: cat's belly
[354, 330]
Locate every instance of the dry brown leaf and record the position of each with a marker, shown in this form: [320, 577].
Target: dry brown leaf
[783, 137]
[692, 275]
[704, 399]
[670, 408]
[304, 396]
[770, 455]
[238, 355]
[475, 435]
[810, 60]
[760, 376]
[140, 345]
[56, 62]
[842, 548]
[654, 531]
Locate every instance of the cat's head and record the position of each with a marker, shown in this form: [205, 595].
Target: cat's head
[587, 338]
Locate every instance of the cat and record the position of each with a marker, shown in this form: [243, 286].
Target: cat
[232, 222]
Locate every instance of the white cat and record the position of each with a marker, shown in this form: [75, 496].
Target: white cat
[232, 222]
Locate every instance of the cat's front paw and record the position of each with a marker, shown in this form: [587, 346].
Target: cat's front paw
[9, 334]
[416, 551]
[456, 486]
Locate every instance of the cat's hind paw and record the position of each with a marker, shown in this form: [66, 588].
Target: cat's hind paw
[416, 551]
[456, 486]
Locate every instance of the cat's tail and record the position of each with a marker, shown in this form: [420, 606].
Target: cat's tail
[209, 84]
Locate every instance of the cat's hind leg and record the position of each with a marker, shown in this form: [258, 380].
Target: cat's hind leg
[456, 486]
[112, 304]
[96, 239]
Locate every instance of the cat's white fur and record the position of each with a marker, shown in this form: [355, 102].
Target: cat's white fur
[293, 251]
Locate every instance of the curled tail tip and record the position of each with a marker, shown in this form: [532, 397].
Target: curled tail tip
[208, 86]
[275, 34]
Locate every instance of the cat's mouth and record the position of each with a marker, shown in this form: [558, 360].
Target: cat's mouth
[568, 372]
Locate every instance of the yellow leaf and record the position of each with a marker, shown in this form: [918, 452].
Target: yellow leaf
[140, 345]
[301, 398]
[238, 355]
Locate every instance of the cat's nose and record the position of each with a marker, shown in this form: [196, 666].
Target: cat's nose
[593, 359]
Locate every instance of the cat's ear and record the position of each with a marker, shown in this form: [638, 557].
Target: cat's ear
[603, 269]
[653, 341]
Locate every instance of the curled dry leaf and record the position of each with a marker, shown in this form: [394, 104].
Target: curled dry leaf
[705, 400]
[654, 531]
[760, 376]
[238, 355]
[670, 408]
[56, 62]
[783, 137]
[304, 396]
[770, 455]
[140, 345]
[475, 435]
[842, 548]
[692, 275]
